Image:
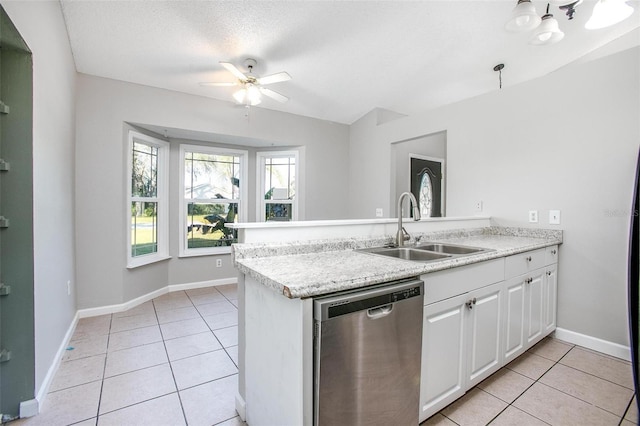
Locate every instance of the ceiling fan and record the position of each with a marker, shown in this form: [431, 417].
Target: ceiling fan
[252, 85]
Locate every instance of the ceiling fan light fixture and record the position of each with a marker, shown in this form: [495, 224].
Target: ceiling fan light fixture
[523, 17]
[248, 95]
[548, 32]
[607, 13]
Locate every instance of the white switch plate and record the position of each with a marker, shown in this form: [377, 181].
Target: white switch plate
[379, 212]
[478, 206]
[218, 263]
[554, 217]
[533, 216]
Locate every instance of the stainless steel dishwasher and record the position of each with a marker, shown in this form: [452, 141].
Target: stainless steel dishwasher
[367, 347]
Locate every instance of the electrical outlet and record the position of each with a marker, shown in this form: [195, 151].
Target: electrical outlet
[379, 212]
[218, 263]
[478, 206]
[554, 217]
[533, 216]
[69, 288]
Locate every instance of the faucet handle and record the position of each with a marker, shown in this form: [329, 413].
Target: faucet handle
[405, 235]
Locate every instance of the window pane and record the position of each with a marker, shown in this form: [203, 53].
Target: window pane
[426, 196]
[280, 178]
[144, 228]
[205, 224]
[278, 211]
[144, 177]
[212, 176]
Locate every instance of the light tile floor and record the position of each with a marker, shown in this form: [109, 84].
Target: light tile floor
[554, 383]
[173, 361]
[170, 361]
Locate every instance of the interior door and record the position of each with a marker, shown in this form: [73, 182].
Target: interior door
[426, 185]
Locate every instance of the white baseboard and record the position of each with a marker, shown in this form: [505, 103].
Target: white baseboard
[44, 388]
[593, 343]
[121, 307]
[209, 283]
[29, 408]
[241, 407]
[111, 309]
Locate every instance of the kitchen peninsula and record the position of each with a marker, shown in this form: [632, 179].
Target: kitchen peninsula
[282, 267]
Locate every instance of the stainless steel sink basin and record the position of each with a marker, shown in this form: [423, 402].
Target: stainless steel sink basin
[449, 248]
[427, 252]
[406, 253]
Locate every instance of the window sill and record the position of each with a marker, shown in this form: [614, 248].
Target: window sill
[135, 263]
[216, 252]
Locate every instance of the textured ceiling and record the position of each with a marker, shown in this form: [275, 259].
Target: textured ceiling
[345, 57]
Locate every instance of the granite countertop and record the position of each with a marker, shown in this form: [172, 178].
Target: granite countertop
[306, 269]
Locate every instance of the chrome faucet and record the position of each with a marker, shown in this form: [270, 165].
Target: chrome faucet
[402, 235]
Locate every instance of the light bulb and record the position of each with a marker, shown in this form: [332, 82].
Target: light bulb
[607, 13]
[544, 36]
[523, 17]
[548, 32]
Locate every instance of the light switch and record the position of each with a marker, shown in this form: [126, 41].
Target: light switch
[554, 217]
[533, 216]
[379, 212]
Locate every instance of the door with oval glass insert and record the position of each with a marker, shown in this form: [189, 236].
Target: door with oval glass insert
[427, 183]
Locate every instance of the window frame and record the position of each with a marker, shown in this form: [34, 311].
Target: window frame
[161, 198]
[183, 250]
[260, 166]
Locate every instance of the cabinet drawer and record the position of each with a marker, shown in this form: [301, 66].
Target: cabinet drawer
[551, 255]
[522, 263]
[452, 282]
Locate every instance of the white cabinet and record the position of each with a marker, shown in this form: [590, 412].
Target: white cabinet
[550, 294]
[484, 326]
[461, 345]
[479, 317]
[442, 379]
[530, 299]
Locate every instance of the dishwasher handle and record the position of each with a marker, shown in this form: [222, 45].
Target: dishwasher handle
[379, 312]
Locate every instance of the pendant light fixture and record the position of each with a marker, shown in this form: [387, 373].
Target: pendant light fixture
[607, 13]
[568, 6]
[547, 32]
[523, 17]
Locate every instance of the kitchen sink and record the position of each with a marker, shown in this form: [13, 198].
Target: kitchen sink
[449, 248]
[407, 253]
[427, 252]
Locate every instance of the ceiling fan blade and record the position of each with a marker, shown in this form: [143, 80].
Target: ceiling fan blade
[218, 84]
[274, 78]
[273, 95]
[233, 70]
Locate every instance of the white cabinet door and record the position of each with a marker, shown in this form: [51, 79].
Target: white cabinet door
[484, 332]
[514, 317]
[534, 297]
[442, 378]
[550, 298]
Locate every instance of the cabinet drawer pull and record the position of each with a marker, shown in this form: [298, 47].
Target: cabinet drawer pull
[549, 273]
[528, 258]
[553, 252]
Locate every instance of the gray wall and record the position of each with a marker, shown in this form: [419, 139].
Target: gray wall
[42, 27]
[565, 141]
[103, 108]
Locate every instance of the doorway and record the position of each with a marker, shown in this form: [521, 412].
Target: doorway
[426, 184]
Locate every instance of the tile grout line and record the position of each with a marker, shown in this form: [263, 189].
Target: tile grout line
[104, 369]
[184, 414]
